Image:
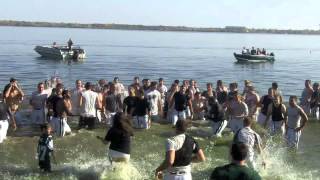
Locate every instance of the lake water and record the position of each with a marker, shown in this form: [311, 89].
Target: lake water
[205, 57]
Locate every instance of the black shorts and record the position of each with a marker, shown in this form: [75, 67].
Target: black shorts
[87, 121]
[45, 165]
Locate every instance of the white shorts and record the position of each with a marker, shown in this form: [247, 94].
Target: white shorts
[118, 155]
[177, 176]
[100, 116]
[109, 118]
[4, 125]
[277, 127]
[177, 115]
[218, 127]
[262, 120]
[38, 116]
[141, 122]
[60, 126]
[235, 124]
[293, 138]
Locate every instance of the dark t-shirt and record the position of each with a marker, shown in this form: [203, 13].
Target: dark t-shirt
[4, 111]
[206, 94]
[130, 102]
[113, 102]
[234, 172]
[120, 140]
[142, 107]
[53, 100]
[180, 101]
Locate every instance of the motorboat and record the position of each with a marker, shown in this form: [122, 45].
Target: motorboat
[61, 52]
[254, 58]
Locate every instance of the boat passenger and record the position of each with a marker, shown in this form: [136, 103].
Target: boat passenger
[258, 51]
[264, 52]
[244, 50]
[70, 43]
[253, 51]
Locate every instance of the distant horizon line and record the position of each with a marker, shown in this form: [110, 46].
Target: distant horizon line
[229, 29]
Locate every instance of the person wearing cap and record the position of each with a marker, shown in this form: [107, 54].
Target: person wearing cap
[38, 102]
[13, 95]
[181, 151]
[88, 103]
[237, 169]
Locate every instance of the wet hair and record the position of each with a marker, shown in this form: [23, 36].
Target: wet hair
[136, 77]
[197, 93]
[294, 97]
[13, 79]
[40, 83]
[154, 83]
[44, 126]
[121, 123]
[239, 151]
[274, 85]
[176, 81]
[65, 92]
[247, 121]
[88, 85]
[209, 84]
[59, 85]
[160, 79]
[181, 126]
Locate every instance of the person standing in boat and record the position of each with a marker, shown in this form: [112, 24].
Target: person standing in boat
[70, 43]
[253, 51]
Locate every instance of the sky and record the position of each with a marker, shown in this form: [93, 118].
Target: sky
[278, 14]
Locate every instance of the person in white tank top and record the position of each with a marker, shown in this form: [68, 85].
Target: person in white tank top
[295, 122]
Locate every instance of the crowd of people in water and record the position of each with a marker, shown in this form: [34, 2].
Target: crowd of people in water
[146, 101]
[253, 51]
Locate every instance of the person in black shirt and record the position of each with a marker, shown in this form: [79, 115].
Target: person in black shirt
[141, 112]
[45, 148]
[119, 136]
[180, 102]
[216, 114]
[129, 102]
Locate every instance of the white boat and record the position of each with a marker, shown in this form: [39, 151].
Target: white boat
[61, 52]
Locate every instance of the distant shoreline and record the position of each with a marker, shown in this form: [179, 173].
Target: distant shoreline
[227, 29]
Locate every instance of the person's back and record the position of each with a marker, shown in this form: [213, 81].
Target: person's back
[234, 171]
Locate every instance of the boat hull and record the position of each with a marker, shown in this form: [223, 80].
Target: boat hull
[253, 58]
[60, 52]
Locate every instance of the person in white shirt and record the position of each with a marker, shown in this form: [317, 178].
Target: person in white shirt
[88, 103]
[38, 103]
[252, 139]
[154, 98]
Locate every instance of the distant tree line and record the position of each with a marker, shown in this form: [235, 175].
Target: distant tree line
[231, 29]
